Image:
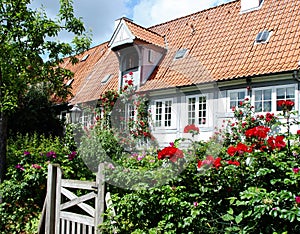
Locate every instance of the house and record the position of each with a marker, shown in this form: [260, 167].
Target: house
[197, 67]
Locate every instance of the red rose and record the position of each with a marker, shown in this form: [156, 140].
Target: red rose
[130, 82]
[236, 163]
[190, 128]
[170, 152]
[231, 150]
[217, 163]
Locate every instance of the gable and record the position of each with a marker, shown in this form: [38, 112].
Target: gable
[121, 36]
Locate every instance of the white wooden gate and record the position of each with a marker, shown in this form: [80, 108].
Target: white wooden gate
[67, 213]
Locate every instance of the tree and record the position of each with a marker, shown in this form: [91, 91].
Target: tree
[27, 35]
[36, 114]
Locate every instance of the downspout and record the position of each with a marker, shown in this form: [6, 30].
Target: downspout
[296, 77]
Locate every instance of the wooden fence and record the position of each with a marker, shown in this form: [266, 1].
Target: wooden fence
[65, 212]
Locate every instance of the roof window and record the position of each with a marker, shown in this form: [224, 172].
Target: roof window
[69, 82]
[180, 53]
[250, 5]
[263, 37]
[106, 78]
[84, 58]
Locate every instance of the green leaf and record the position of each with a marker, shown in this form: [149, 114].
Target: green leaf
[227, 217]
[239, 218]
[230, 211]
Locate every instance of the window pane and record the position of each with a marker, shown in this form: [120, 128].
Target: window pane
[168, 110]
[191, 110]
[280, 94]
[158, 114]
[285, 94]
[290, 93]
[258, 95]
[267, 106]
[267, 94]
[236, 98]
[263, 100]
[241, 95]
[258, 106]
[202, 110]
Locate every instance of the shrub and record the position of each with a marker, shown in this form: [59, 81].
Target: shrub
[248, 185]
[23, 191]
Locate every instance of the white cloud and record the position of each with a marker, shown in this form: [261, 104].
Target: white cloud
[151, 12]
[100, 15]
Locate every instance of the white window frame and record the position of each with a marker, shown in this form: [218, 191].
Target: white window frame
[229, 107]
[86, 119]
[197, 111]
[262, 89]
[274, 96]
[163, 114]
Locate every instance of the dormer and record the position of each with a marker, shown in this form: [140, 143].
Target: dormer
[250, 5]
[138, 49]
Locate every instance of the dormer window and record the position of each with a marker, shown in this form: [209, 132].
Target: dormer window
[131, 61]
[250, 5]
[263, 37]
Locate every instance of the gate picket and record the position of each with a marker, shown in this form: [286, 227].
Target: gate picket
[58, 220]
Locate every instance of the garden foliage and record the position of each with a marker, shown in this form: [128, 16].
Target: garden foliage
[249, 185]
[245, 179]
[23, 192]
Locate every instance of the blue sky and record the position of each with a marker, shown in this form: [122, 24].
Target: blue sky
[99, 15]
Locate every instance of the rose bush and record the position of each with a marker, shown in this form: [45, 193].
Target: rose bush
[249, 185]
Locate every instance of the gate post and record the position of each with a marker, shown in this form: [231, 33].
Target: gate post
[100, 199]
[51, 199]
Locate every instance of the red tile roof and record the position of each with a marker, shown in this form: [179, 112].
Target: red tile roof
[144, 34]
[220, 43]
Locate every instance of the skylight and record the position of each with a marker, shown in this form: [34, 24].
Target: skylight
[106, 78]
[250, 5]
[84, 57]
[180, 53]
[69, 82]
[263, 37]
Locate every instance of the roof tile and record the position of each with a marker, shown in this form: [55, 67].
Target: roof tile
[221, 46]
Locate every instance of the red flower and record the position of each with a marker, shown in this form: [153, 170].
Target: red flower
[217, 163]
[231, 150]
[259, 132]
[297, 199]
[276, 142]
[210, 160]
[130, 82]
[242, 148]
[236, 163]
[269, 117]
[281, 103]
[191, 128]
[288, 104]
[296, 170]
[170, 152]
[130, 73]
[298, 132]
[36, 166]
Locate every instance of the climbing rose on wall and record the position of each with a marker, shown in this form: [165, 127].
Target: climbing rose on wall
[191, 128]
